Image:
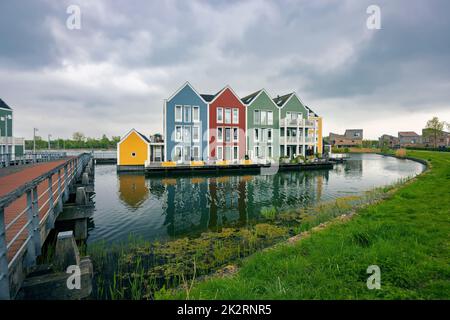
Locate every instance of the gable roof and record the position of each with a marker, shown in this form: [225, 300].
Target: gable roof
[281, 100]
[208, 97]
[182, 87]
[407, 134]
[248, 99]
[3, 105]
[147, 140]
[222, 91]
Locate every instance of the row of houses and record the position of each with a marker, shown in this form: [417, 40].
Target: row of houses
[411, 139]
[226, 127]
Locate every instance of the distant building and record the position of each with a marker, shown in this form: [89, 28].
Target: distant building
[442, 138]
[388, 141]
[409, 139]
[351, 138]
[9, 145]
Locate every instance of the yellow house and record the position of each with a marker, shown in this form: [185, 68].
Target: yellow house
[133, 149]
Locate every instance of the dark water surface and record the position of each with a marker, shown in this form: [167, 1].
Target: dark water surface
[158, 208]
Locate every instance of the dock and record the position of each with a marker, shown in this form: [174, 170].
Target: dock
[159, 169]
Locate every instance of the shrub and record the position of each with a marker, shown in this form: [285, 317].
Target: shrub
[401, 153]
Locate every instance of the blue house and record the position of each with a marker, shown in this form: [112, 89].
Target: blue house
[185, 126]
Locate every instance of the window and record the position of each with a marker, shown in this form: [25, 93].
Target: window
[235, 115]
[178, 114]
[257, 152]
[227, 134]
[269, 135]
[263, 117]
[227, 115]
[187, 153]
[269, 151]
[219, 134]
[235, 134]
[195, 134]
[219, 153]
[262, 135]
[178, 136]
[235, 153]
[256, 119]
[219, 115]
[227, 153]
[195, 114]
[256, 135]
[196, 152]
[178, 153]
[187, 114]
[270, 118]
[187, 134]
[133, 154]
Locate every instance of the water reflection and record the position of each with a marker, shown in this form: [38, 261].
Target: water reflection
[188, 205]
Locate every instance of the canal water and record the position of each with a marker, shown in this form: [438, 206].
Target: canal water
[161, 208]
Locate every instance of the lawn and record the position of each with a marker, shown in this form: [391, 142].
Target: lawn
[407, 236]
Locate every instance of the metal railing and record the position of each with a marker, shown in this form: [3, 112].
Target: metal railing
[21, 236]
[7, 159]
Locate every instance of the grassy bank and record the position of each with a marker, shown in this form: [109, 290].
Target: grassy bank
[406, 235]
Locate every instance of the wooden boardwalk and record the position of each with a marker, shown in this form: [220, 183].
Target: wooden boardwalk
[14, 179]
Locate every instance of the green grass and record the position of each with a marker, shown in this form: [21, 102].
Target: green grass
[406, 235]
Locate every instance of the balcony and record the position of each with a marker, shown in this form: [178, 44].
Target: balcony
[296, 123]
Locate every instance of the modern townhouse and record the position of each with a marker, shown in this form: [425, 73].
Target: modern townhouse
[185, 126]
[10, 146]
[300, 127]
[227, 127]
[409, 139]
[263, 126]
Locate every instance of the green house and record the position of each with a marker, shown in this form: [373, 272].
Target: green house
[263, 118]
[300, 127]
[14, 147]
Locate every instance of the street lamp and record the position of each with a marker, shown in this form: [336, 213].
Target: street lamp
[34, 139]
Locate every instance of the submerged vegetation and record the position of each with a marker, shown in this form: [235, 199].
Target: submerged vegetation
[141, 269]
[407, 236]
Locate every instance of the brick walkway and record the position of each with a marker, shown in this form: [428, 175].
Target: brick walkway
[15, 179]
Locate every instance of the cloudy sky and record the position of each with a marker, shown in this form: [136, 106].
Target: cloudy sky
[113, 73]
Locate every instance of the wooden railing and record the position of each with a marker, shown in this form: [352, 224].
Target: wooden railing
[32, 210]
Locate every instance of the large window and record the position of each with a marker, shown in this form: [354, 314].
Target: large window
[195, 114]
[235, 153]
[178, 113]
[235, 134]
[227, 115]
[187, 113]
[256, 135]
[256, 119]
[195, 134]
[220, 115]
[178, 132]
[269, 118]
[227, 134]
[269, 135]
[178, 153]
[219, 134]
[220, 153]
[263, 117]
[187, 134]
[235, 115]
[196, 152]
[269, 151]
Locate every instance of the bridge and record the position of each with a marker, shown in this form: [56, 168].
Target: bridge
[31, 199]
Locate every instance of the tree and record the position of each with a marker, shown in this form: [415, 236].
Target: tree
[78, 136]
[434, 129]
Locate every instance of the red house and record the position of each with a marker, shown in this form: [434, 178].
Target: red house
[227, 136]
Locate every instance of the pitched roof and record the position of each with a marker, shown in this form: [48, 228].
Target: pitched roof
[280, 101]
[407, 134]
[248, 99]
[147, 140]
[143, 137]
[207, 97]
[4, 105]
